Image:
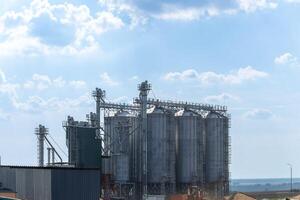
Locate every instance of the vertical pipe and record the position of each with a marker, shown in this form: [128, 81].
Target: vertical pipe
[99, 96]
[49, 155]
[41, 149]
[144, 88]
[41, 131]
[98, 101]
[53, 156]
[291, 179]
[291, 176]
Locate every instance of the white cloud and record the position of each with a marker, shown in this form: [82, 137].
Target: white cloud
[286, 59]
[184, 11]
[188, 14]
[34, 29]
[78, 84]
[259, 114]
[59, 82]
[9, 89]
[2, 76]
[134, 78]
[4, 115]
[42, 78]
[125, 8]
[187, 74]
[39, 82]
[42, 82]
[29, 85]
[36, 104]
[292, 1]
[253, 5]
[49, 28]
[106, 79]
[239, 76]
[221, 98]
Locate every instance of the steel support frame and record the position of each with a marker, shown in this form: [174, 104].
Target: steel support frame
[177, 105]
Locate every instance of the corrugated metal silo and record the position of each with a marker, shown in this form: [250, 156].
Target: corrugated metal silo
[216, 147]
[119, 131]
[161, 151]
[84, 144]
[190, 149]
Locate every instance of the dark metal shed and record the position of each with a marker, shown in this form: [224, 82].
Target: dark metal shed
[84, 145]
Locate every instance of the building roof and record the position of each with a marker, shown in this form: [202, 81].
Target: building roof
[47, 167]
[295, 198]
[6, 190]
[8, 198]
[239, 196]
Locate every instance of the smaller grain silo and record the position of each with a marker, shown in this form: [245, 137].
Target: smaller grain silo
[190, 149]
[119, 131]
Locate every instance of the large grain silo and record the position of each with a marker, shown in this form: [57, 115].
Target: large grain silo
[190, 152]
[160, 151]
[217, 155]
[119, 132]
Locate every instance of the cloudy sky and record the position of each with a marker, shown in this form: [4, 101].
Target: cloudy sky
[241, 53]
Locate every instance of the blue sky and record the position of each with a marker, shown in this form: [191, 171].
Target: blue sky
[240, 53]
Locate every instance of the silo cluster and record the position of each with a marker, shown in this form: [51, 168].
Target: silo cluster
[185, 148]
[156, 147]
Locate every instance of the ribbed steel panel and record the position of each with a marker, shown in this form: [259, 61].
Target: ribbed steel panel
[8, 177]
[161, 146]
[42, 184]
[190, 144]
[215, 139]
[84, 147]
[75, 184]
[33, 184]
[119, 133]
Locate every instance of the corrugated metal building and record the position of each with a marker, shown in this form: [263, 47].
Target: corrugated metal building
[52, 183]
